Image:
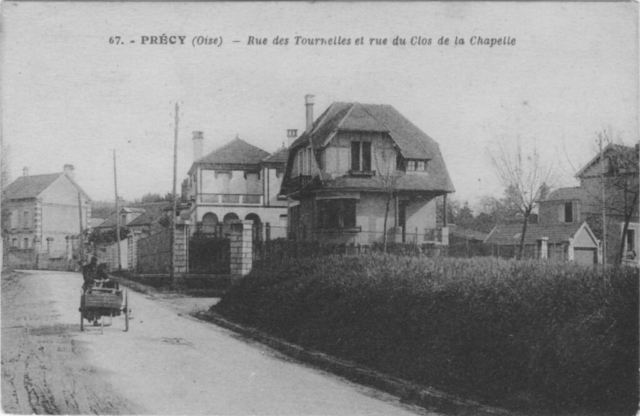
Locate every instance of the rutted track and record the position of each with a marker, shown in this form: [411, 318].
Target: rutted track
[43, 367]
[168, 363]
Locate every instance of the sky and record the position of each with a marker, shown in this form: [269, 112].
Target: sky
[69, 96]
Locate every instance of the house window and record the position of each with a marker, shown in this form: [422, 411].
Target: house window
[361, 156]
[399, 162]
[14, 242]
[14, 219]
[631, 240]
[301, 162]
[25, 243]
[25, 219]
[336, 213]
[419, 165]
[568, 212]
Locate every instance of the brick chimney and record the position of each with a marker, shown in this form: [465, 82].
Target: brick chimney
[308, 102]
[69, 170]
[25, 171]
[292, 135]
[198, 140]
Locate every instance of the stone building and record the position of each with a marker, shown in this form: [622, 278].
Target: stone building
[42, 213]
[237, 181]
[617, 172]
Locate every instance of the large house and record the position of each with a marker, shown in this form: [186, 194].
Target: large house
[353, 162]
[43, 213]
[236, 181]
[617, 172]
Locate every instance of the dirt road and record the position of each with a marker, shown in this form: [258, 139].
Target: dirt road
[168, 363]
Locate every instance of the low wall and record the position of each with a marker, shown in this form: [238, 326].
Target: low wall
[20, 259]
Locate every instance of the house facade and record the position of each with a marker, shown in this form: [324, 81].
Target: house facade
[44, 214]
[236, 181]
[554, 241]
[358, 164]
[609, 183]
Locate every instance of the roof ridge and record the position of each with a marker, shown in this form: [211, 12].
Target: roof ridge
[415, 139]
[352, 106]
[321, 120]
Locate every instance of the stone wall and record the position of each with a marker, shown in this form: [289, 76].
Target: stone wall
[241, 247]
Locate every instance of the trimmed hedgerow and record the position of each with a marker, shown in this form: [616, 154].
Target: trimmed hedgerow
[520, 334]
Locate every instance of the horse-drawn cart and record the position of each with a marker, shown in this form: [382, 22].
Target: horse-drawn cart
[98, 302]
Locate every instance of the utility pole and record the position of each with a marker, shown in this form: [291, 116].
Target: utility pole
[115, 181]
[175, 198]
[81, 239]
[604, 211]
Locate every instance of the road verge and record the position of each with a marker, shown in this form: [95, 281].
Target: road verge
[410, 393]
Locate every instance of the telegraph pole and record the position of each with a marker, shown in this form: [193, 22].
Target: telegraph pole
[81, 239]
[604, 211]
[115, 181]
[175, 198]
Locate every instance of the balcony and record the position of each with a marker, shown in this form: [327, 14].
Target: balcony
[230, 199]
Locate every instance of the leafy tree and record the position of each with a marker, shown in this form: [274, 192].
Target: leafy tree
[465, 217]
[106, 237]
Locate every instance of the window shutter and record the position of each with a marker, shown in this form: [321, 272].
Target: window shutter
[355, 155]
[561, 212]
[366, 156]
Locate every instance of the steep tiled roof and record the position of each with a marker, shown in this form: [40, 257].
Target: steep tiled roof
[108, 222]
[412, 142]
[567, 194]
[278, 158]
[467, 233]
[152, 213]
[29, 186]
[94, 222]
[236, 152]
[509, 234]
[627, 152]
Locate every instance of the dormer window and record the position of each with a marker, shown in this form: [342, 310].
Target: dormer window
[416, 165]
[360, 156]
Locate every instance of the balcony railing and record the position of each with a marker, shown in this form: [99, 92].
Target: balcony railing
[230, 199]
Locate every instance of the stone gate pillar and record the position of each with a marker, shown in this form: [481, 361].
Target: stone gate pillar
[241, 247]
[181, 248]
[445, 236]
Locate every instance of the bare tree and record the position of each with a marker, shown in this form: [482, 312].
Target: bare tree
[526, 178]
[388, 177]
[617, 193]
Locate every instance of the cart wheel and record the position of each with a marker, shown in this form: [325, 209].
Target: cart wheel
[126, 311]
[102, 325]
[81, 322]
